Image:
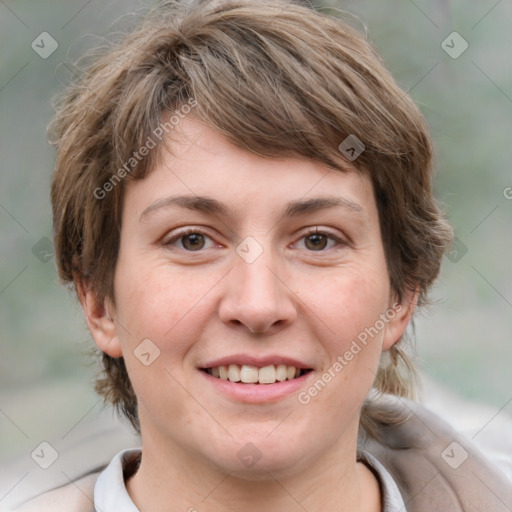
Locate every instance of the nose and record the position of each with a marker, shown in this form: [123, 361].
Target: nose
[257, 296]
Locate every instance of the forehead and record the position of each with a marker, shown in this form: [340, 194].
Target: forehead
[200, 168]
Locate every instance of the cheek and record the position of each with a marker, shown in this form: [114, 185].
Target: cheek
[170, 309]
[349, 304]
[349, 308]
[163, 304]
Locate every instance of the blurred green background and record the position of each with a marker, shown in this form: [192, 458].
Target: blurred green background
[464, 341]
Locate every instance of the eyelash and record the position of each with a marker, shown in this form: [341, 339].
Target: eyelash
[190, 231]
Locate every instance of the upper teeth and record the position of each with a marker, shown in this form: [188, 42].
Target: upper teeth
[252, 374]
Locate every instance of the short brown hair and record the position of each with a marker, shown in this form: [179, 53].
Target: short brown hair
[277, 79]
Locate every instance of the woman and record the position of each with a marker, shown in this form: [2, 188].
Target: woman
[243, 202]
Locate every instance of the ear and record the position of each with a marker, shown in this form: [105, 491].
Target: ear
[399, 315]
[100, 320]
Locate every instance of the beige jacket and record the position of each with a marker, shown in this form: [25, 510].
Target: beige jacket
[436, 470]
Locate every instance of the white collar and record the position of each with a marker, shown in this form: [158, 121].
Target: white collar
[392, 500]
[110, 494]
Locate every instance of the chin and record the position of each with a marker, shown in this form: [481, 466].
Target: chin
[256, 458]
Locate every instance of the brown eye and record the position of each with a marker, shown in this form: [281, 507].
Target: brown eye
[193, 241]
[320, 242]
[316, 241]
[189, 240]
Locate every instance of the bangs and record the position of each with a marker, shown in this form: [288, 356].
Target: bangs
[278, 89]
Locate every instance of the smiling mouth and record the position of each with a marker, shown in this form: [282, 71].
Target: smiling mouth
[247, 374]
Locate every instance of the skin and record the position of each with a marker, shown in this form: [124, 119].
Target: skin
[305, 297]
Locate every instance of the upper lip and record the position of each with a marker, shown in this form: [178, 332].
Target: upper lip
[260, 362]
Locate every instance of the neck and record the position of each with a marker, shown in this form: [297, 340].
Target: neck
[171, 479]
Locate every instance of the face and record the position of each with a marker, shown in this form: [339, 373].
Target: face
[237, 268]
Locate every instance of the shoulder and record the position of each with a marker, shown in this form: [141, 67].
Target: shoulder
[434, 466]
[102, 488]
[77, 496]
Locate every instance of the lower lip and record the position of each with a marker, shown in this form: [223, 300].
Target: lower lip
[257, 393]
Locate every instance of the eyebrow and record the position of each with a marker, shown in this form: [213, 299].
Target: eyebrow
[214, 207]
